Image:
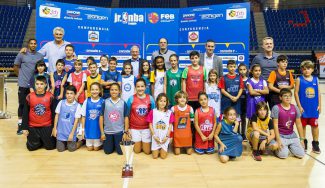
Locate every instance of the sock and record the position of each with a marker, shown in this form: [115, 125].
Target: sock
[20, 121]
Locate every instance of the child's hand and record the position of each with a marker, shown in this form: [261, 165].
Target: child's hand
[262, 145]
[302, 143]
[233, 99]
[204, 138]
[301, 109]
[54, 132]
[210, 137]
[156, 139]
[280, 144]
[76, 97]
[60, 97]
[222, 148]
[125, 137]
[25, 132]
[164, 140]
[66, 69]
[319, 109]
[70, 137]
[103, 137]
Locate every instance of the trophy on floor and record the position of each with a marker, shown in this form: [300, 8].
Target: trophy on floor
[127, 147]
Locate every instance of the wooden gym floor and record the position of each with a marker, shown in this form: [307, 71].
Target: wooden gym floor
[41, 168]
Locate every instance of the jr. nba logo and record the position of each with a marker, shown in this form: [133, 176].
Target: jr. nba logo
[125, 17]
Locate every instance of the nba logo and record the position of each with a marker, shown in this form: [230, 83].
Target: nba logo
[125, 17]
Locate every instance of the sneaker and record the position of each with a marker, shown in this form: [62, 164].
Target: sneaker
[306, 144]
[316, 147]
[199, 151]
[232, 158]
[19, 130]
[244, 138]
[209, 150]
[256, 155]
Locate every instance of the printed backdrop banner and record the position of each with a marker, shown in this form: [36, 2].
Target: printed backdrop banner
[95, 31]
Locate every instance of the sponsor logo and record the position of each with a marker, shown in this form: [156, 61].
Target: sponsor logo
[193, 36]
[211, 16]
[93, 36]
[241, 58]
[236, 14]
[96, 17]
[188, 18]
[124, 51]
[153, 17]
[129, 19]
[72, 15]
[49, 12]
[167, 17]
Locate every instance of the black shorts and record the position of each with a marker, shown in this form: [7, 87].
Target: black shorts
[40, 137]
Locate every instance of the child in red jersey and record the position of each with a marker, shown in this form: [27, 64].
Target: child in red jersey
[37, 117]
[205, 125]
[139, 106]
[78, 79]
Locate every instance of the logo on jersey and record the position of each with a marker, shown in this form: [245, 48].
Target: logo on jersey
[142, 110]
[161, 125]
[114, 116]
[127, 87]
[310, 92]
[195, 79]
[39, 109]
[173, 82]
[93, 114]
[206, 126]
[182, 123]
[288, 124]
[161, 81]
[58, 83]
[66, 116]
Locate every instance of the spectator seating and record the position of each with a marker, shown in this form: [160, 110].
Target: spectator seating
[192, 3]
[98, 3]
[7, 59]
[149, 4]
[13, 25]
[296, 29]
[253, 44]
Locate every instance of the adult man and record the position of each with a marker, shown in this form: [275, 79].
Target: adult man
[267, 59]
[53, 50]
[24, 67]
[209, 60]
[135, 60]
[163, 51]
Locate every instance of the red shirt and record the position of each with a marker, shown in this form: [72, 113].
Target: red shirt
[40, 113]
[194, 82]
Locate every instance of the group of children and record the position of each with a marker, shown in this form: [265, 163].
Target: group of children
[189, 109]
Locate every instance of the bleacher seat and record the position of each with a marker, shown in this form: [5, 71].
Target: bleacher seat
[296, 29]
[253, 44]
[98, 3]
[7, 59]
[192, 3]
[13, 25]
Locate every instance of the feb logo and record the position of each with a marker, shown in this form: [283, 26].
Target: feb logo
[142, 110]
[39, 109]
[153, 17]
[114, 116]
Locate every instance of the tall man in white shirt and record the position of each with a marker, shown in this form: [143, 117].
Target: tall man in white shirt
[210, 60]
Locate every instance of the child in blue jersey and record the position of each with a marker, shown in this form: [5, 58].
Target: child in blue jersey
[66, 121]
[128, 81]
[103, 64]
[114, 116]
[91, 110]
[58, 80]
[40, 70]
[111, 76]
[69, 59]
[308, 99]
[145, 74]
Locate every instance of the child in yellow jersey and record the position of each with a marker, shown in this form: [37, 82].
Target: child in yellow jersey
[93, 77]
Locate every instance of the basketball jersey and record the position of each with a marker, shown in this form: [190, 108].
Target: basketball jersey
[91, 80]
[127, 87]
[308, 95]
[214, 97]
[139, 109]
[252, 101]
[109, 77]
[77, 82]
[40, 112]
[182, 127]
[148, 84]
[101, 71]
[281, 80]
[159, 83]
[57, 82]
[206, 122]
[66, 121]
[261, 124]
[69, 65]
[173, 84]
[160, 123]
[286, 119]
[194, 82]
[93, 111]
[114, 114]
[232, 86]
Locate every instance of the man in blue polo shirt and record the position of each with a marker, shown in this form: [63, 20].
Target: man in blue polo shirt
[163, 51]
[24, 67]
